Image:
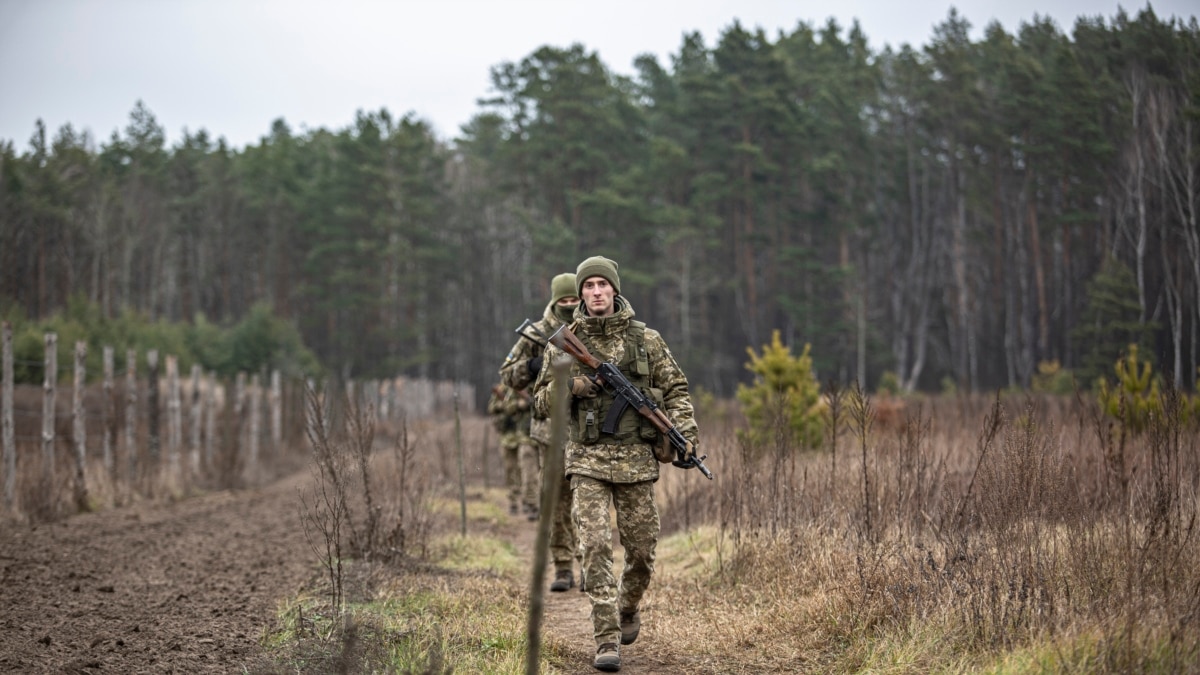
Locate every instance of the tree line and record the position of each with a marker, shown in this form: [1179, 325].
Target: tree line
[952, 215]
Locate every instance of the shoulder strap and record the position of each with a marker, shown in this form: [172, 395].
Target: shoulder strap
[636, 337]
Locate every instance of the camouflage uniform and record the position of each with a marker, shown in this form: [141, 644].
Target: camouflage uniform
[515, 373]
[619, 469]
[506, 423]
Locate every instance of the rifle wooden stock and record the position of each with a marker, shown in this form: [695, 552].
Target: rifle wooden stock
[567, 341]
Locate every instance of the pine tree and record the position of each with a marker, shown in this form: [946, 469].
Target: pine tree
[1111, 322]
[781, 405]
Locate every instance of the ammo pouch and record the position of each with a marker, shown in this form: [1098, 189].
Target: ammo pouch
[631, 428]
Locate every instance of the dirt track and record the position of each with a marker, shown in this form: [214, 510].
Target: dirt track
[185, 587]
[190, 587]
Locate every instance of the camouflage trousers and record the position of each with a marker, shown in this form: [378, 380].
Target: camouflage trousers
[509, 450]
[531, 473]
[562, 529]
[637, 525]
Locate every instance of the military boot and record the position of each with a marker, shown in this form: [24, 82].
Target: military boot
[563, 580]
[608, 658]
[631, 624]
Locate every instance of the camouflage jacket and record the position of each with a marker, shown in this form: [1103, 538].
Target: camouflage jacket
[515, 371]
[510, 411]
[606, 338]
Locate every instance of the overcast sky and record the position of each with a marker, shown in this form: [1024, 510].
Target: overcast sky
[233, 66]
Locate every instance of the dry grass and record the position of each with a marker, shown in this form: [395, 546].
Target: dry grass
[986, 529]
[975, 534]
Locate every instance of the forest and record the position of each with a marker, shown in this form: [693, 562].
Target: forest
[952, 216]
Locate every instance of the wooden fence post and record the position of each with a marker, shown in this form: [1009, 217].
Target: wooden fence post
[310, 408]
[210, 420]
[79, 426]
[108, 417]
[483, 456]
[255, 421]
[152, 404]
[174, 414]
[238, 422]
[7, 432]
[276, 402]
[49, 381]
[196, 419]
[131, 446]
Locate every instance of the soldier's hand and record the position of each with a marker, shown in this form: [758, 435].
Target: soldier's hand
[689, 455]
[522, 403]
[582, 386]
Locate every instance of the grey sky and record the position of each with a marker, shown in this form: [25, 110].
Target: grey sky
[232, 67]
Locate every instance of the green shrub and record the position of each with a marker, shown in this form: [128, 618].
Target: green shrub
[889, 383]
[949, 386]
[1135, 396]
[783, 401]
[263, 340]
[1052, 378]
[259, 341]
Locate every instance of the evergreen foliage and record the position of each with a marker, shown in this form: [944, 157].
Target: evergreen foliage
[1135, 395]
[935, 211]
[1111, 321]
[1052, 378]
[259, 342]
[782, 403]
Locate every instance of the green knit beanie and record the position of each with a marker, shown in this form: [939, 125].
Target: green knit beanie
[597, 266]
[562, 286]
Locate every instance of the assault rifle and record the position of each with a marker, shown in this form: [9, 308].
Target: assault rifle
[625, 394]
[536, 337]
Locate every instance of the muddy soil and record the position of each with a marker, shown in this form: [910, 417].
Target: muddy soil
[187, 587]
[190, 587]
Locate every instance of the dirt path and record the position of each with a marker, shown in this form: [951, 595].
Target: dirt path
[190, 587]
[185, 587]
[568, 618]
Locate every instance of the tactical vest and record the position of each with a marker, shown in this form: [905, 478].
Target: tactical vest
[632, 428]
[504, 423]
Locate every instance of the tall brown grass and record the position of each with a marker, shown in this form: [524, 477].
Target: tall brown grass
[995, 523]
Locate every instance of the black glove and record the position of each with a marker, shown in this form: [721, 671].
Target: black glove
[534, 366]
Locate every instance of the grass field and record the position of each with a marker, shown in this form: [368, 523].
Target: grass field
[958, 534]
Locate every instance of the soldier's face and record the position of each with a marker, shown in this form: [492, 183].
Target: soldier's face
[569, 301]
[598, 295]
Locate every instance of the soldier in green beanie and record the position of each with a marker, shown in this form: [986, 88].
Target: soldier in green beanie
[520, 369]
[617, 468]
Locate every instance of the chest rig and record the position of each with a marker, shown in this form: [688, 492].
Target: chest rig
[600, 418]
